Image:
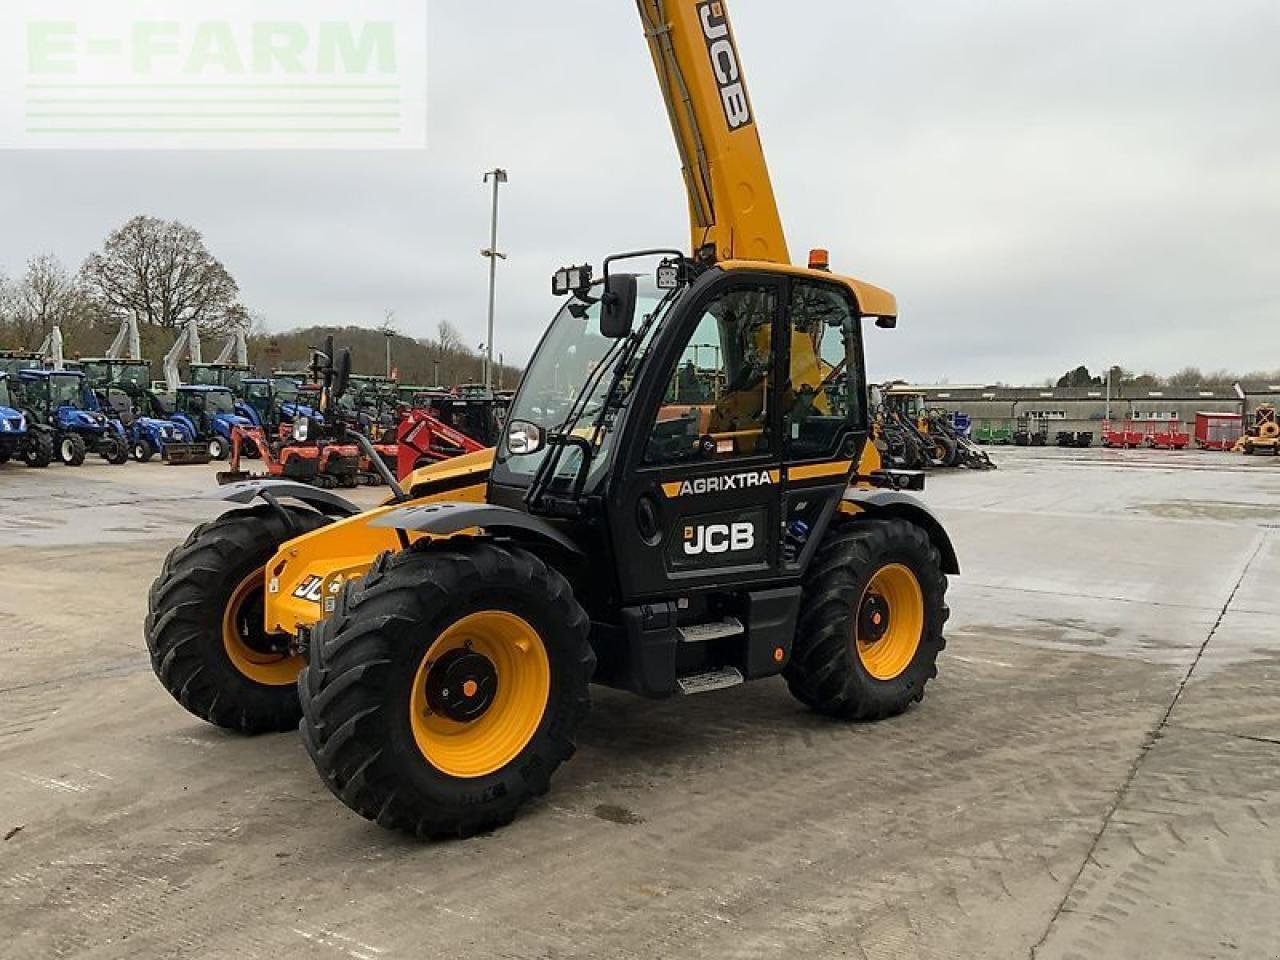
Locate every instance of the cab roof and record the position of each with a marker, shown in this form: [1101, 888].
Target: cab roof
[33, 374]
[872, 301]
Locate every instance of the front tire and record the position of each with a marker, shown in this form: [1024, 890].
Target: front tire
[219, 448]
[870, 630]
[447, 687]
[204, 626]
[72, 449]
[143, 451]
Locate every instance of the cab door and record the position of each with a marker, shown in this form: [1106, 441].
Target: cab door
[698, 503]
[824, 412]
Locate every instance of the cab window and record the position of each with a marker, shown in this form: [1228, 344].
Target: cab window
[824, 398]
[719, 395]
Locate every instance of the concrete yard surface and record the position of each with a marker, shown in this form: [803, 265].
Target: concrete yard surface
[1095, 773]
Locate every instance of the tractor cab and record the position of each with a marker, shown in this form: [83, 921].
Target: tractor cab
[133, 376]
[121, 386]
[13, 362]
[55, 396]
[229, 375]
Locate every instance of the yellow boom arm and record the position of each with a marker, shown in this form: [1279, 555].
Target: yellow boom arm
[732, 210]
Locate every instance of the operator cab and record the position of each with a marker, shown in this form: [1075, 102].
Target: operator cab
[56, 389]
[701, 424]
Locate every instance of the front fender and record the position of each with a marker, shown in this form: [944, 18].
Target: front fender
[446, 519]
[890, 503]
[328, 503]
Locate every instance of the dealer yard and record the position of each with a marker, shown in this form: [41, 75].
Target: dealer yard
[1096, 773]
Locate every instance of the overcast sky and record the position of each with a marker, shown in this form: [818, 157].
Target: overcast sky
[1040, 183]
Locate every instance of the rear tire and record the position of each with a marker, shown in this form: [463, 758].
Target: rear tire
[115, 451]
[837, 668]
[369, 723]
[72, 450]
[201, 623]
[37, 452]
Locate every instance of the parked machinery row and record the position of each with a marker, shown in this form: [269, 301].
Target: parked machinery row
[1263, 435]
[110, 406]
[912, 436]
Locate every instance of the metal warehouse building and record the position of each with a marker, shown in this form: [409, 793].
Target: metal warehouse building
[1085, 408]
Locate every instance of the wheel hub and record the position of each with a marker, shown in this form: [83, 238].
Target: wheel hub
[461, 686]
[873, 620]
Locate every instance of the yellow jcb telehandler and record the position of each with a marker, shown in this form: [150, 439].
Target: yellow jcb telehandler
[683, 499]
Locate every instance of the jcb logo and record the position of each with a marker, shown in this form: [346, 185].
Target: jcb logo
[309, 589]
[725, 63]
[719, 538]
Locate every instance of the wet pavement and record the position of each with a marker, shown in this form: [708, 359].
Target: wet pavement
[1095, 774]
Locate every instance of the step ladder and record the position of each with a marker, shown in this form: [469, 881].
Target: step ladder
[710, 681]
[716, 630]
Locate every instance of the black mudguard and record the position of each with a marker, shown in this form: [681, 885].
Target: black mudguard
[890, 503]
[330, 504]
[445, 519]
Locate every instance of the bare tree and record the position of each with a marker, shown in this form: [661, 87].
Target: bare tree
[448, 338]
[1187, 377]
[162, 273]
[48, 295]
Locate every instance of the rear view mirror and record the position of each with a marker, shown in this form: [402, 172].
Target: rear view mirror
[524, 438]
[618, 306]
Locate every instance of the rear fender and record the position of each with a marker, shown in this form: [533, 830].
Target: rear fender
[894, 505]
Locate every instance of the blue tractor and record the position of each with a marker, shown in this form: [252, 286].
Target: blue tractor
[123, 388]
[61, 401]
[20, 439]
[207, 415]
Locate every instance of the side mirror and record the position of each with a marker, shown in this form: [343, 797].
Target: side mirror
[887, 323]
[524, 438]
[618, 306]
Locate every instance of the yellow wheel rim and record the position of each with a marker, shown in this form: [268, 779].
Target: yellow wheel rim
[510, 690]
[890, 622]
[241, 625]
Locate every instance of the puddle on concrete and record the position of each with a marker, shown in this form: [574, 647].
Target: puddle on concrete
[616, 814]
[1079, 636]
[1207, 510]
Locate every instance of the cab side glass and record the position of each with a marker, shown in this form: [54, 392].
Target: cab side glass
[824, 399]
[717, 405]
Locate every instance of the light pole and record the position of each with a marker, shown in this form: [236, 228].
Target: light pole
[389, 332]
[499, 177]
